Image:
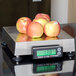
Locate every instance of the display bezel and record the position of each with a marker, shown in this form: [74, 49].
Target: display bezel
[36, 49]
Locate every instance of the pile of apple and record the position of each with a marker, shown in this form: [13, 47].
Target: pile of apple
[40, 25]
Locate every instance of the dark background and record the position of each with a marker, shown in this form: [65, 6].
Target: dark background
[11, 10]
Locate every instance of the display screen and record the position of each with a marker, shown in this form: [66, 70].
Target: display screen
[46, 52]
[46, 68]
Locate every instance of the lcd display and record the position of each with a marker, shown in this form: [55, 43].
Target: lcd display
[46, 52]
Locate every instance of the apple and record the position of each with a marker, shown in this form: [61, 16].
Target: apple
[21, 37]
[35, 30]
[52, 29]
[42, 15]
[22, 24]
[42, 21]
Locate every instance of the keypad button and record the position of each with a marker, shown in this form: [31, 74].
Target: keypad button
[58, 53]
[58, 49]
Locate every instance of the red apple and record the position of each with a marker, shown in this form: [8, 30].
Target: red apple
[42, 15]
[42, 21]
[35, 30]
[22, 24]
[52, 29]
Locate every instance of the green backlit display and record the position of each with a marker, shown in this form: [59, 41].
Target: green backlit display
[46, 52]
[46, 68]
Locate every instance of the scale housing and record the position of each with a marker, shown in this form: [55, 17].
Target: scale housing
[20, 48]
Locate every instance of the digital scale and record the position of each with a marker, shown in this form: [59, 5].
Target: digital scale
[29, 67]
[39, 48]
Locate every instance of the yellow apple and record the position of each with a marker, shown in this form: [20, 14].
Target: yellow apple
[52, 29]
[42, 21]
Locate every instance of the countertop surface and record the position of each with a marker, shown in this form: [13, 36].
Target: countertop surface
[61, 67]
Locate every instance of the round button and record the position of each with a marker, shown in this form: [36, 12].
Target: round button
[59, 49]
[58, 53]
